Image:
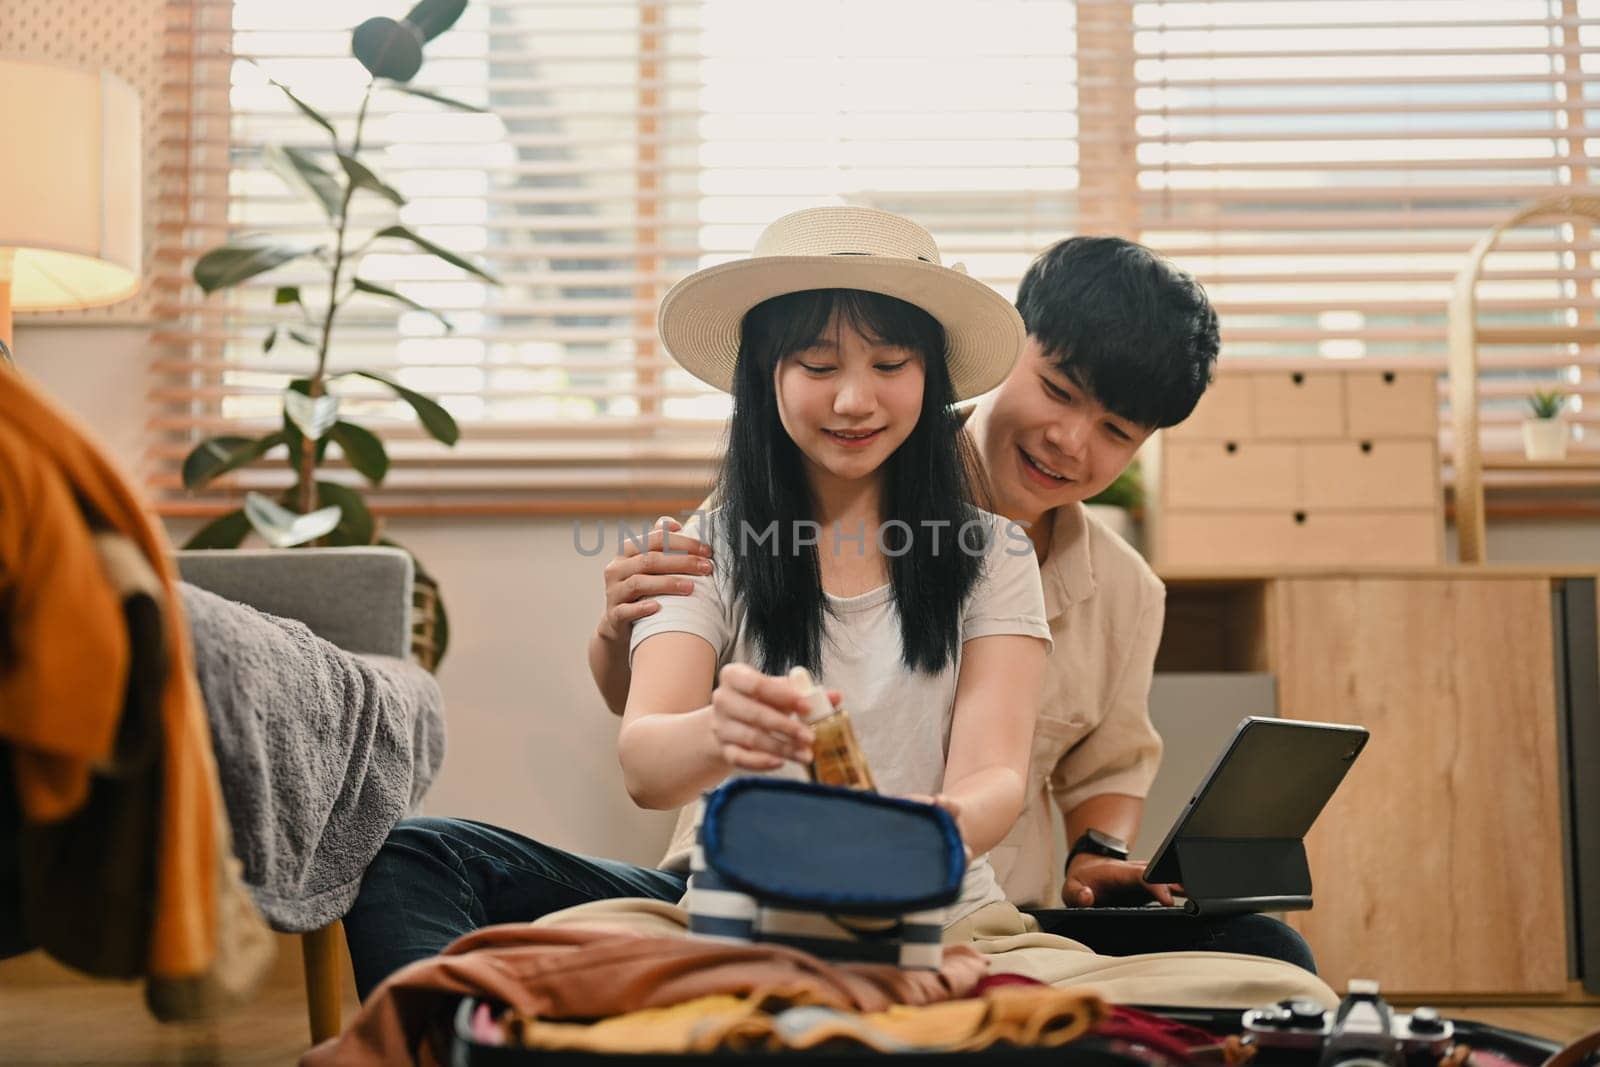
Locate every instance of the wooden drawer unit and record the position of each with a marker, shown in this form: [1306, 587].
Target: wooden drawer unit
[1301, 468]
[1301, 537]
[1373, 473]
[1295, 405]
[1232, 474]
[1391, 404]
[1226, 411]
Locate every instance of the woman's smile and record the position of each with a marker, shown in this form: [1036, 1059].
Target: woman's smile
[854, 438]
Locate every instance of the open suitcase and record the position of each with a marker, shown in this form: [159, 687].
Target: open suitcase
[847, 875]
[1492, 1047]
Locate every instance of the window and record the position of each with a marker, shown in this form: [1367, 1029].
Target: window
[1326, 168]
[1322, 168]
[626, 145]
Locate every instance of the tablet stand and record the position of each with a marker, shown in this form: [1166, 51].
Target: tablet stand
[1235, 875]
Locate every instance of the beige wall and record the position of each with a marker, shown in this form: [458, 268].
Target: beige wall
[529, 744]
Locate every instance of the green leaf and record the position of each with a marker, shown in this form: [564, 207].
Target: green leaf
[388, 49]
[440, 98]
[241, 260]
[305, 175]
[303, 338]
[435, 419]
[378, 290]
[443, 253]
[281, 525]
[219, 455]
[305, 109]
[272, 339]
[433, 17]
[363, 449]
[287, 294]
[296, 440]
[362, 178]
[356, 526]
[224, 532]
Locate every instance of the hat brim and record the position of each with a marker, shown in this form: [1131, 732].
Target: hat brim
[700, 317]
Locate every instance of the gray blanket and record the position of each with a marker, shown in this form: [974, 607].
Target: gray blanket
[320, 752]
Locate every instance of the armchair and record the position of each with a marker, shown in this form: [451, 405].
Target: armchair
[356, 598]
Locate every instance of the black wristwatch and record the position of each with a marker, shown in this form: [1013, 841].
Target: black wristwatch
[1098, 843]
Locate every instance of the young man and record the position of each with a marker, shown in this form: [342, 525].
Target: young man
[1120, 344]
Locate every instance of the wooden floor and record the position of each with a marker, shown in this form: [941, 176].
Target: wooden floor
[48, 1016]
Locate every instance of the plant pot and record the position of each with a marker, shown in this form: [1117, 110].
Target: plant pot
[1120, 520]
[1544, 438]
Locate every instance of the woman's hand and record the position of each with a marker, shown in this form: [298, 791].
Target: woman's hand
[951, 806]
[1103, 880]
[758, 719]
[638, 574]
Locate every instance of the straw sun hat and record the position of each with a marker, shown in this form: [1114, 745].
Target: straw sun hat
[842, 248]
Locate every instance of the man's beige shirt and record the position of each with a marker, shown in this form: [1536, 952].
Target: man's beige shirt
[1105, 607]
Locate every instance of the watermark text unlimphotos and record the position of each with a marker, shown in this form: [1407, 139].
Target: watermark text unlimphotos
[893, 538]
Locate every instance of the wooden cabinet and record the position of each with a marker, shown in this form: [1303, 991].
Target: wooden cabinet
[1286, 468]
[1438, 864]
[1439, 867]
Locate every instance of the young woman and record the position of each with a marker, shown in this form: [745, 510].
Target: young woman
[846, 538]
[844, 343]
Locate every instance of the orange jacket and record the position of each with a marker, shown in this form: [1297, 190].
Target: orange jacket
[64, 661]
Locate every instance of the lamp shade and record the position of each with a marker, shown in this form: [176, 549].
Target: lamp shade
[70, 186]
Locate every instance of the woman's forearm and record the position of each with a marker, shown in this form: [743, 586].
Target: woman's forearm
[668, 760]
[608, 663]
[991, 798]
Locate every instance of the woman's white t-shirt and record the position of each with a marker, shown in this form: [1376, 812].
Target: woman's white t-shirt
[901, 716]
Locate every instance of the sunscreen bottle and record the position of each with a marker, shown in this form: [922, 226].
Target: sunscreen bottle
[836, 756]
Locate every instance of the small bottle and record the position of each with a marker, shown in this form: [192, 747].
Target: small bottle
[836, 756]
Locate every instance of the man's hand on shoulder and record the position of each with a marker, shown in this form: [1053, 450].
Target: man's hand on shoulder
[1101, 880]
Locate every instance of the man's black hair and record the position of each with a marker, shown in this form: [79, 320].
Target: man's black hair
[1124, 324]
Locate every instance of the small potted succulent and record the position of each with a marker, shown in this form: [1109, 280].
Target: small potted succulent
[1544, 436]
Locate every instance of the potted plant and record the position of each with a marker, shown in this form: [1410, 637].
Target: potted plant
[1544, 436]
[313, 510]
[1115, 504]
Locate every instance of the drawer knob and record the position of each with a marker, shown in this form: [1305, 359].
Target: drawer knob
[1388, 377]
[1231, 447]
[1297, 378]
[1366, 446]
[1300, 518]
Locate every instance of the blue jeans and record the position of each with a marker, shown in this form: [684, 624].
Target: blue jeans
[1248, 935]
[435, 880]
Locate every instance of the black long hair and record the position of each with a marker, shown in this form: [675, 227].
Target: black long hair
[763, 486]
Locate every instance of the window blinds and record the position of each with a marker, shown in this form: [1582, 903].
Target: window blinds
[625, 145]
[1324, 169]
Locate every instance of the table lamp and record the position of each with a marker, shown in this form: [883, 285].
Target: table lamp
[70, 188]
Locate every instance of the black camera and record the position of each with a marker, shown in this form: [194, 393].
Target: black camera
[1363, 1032]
